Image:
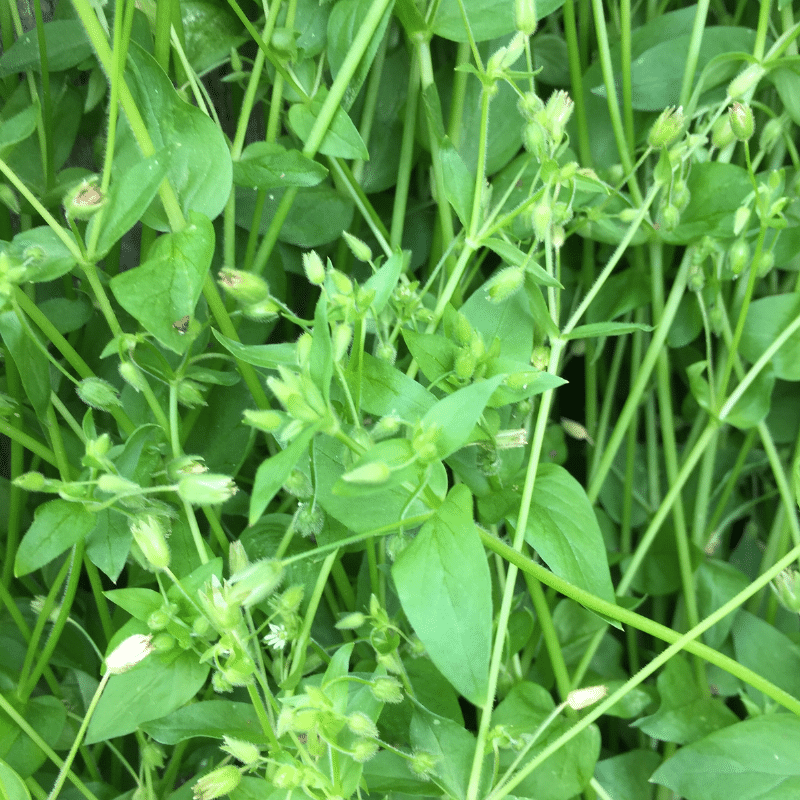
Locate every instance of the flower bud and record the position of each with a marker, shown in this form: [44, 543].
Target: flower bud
[223, 780]
[422, 763]
[385, 352]
[765, 263]
[697, 278]
[246, 752]
[189, 394]
[149, 535]
[359, 249]
[309, 519]
[745, 81]
[129, 653]
[557, 113]
[722, 133]
[387, 690]
[97, 393]
[255, 583]
[237, 557]
[132, 375]
[207, 489]
[314, 268]
[361, 725]
[262, 311]
[738, 256]
[740, 219]
[266, 420]
[31, 482]
[525, 19]
[244, 287]
[163, 642]
[529, 105]
[534, 139]
[787, 588]
[667, 128]
[341, 282]
[372, 474]
[351, 621]
[363, 750]
[115, 484]
[505, 283]
[464, 366]
[742, 121]
[670, 217]
[542, 219]
[340, 339]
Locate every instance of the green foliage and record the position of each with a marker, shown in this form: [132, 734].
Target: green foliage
[368, 364]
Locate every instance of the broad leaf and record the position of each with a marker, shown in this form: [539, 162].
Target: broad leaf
[208, 718]
[66, 43]
[444, 587]
[766, 318]
[342, 138]
[269, 165]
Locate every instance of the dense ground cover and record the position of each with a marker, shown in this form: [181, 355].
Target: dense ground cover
[400, 399]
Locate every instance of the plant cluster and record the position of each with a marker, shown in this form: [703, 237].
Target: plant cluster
[400, 399]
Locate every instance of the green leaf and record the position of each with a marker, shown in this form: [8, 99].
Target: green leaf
[12, 787]
[686, 713]
[624, 776]
[197, 155]
[149, 691]
[318, 215]
[459, 183]
[109, 542]
[168, 285]
[528, 381]
[138, 602]
[67, 315]
[385, 280]
[344, 23]
[766, 319]
[386, 390]
[565, 773]
[458, 413]
[342, 138]
[66, 43]
[433, 353]
[751, 760]
[717, 582]
[320, 364]
[260, 355]
[32, 364]
[273, 473]
[47, 716]
[657, 73]
[562, 528]
[128, 197]
[18, 127]
[443, 582]
[717, 190]
[488, 19]
[44, 254]
[210, 33]
[207, 718]
[57, 525]
[269, 165]
[598, 329]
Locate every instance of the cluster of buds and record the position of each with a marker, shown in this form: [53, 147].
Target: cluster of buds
[546, 123]
[471, 359]
[251, 292]
[407, 302]
[302, 400]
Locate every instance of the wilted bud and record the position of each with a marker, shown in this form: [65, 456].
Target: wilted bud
[149, 535]
[84, 200]
[255, 583]
[742, 121]
[505, 283]
[525, 19]
[314, 268]
[244, 287]
[582, 698]
[372, 474]
[185, 465]
[218, 783]
[667, 128]
[97, 393]
[129, 653]
[207, 489]
[359, 249]
[246, 752]
[745, 81]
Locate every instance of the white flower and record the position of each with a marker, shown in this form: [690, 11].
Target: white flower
[276, 638]
[129, 653]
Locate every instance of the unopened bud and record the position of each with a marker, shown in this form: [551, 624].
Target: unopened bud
[314, 268]
[149, 535]
[372, 474]
[255, 582]
[582, 698]
[218, 783]
[557, 113]
[246, 752]
[359, 249]
[667, 128]
[525, 19]
[97, 393]
[722, 133]
[505, 283]
[351, 621]
[787, 587]
[341, 335]
[387, 690]
[207, 489]
[742, 121]
[132, 375]
[245, 287]
[129, 653]
[738, 256]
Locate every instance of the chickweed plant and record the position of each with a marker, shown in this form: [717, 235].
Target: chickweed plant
[399, 399]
